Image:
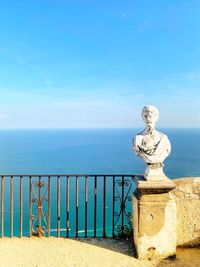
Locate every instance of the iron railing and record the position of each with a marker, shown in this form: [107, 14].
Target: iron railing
[71, 205]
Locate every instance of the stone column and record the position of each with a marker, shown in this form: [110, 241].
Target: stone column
[154, 212]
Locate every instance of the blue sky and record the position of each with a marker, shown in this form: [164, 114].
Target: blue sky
[70, 63]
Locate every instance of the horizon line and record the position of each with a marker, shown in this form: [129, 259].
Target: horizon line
[96, 128]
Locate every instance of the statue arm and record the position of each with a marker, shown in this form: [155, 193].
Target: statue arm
[136, 148]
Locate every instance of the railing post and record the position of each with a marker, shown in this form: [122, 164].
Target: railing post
[49, 205]
[30, 207]
[86, 204]
[95, 206]
[58, 206]
[104, 206]
[67, 206]
[113, 211]
[122, 206]
[21, 207]
[77, 206]
[11, 206]
[2, 206]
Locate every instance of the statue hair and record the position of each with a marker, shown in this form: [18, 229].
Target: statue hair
[151, 109]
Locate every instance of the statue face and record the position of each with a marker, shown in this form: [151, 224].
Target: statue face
[150, 115]
[150, 120]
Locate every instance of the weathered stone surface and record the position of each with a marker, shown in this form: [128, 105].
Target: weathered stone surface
[187, 196]
[148, 187]
[154, 221]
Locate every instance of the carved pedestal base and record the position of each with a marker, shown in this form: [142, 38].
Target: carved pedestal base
[155, 172]
[154, 212]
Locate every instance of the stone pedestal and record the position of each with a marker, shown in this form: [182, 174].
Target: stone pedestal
[154, 211]
[155, 172]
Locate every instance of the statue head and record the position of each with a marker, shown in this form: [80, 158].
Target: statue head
[150, 115]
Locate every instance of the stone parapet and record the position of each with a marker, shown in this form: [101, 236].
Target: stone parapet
[187, 196]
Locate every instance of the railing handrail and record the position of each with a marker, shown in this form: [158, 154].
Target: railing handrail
[71, 175]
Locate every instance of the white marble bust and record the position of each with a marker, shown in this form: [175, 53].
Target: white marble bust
[151, 145]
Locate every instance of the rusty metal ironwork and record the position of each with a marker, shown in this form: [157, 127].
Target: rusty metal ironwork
[2, 206]
[40, 219]
[30, 206]
[58, 206]
[21, 207]
[95, 206]
[49, 207]
[86, 205]
[67, 206]
[104, 206]
[11, 206]
[77, 205]
[89, 205]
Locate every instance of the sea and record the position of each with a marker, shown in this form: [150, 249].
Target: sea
[83, 151]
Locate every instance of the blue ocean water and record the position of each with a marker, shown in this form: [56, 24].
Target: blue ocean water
[102, 151]
[92, 151]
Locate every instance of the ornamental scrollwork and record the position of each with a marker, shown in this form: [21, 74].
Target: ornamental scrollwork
[39, 220]
[123, 217]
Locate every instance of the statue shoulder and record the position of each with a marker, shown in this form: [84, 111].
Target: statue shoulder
[162, 135]
[138, 138]
[164, 140]
[141, 133]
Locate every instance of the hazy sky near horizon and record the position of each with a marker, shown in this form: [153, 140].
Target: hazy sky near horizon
[96, 63]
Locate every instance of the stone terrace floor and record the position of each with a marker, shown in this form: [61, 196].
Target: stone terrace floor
[50, 252]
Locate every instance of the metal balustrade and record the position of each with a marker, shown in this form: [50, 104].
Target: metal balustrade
[71, 205]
